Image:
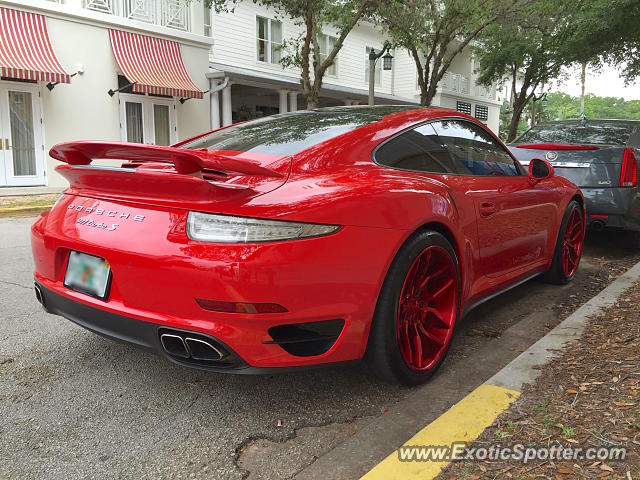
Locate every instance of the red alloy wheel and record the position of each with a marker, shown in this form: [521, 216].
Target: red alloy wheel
[572, 243]
[427, 308]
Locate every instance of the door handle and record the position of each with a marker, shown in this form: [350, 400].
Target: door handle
[487, 209]
[6, 144]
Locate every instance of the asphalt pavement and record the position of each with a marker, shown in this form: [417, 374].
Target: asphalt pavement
[76, 405]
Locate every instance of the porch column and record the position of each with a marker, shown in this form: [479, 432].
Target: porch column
[214, 104]
[283, 100]
[293, 101]
[226, 106]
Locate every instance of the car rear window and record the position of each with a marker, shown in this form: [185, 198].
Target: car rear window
[290, 133]
[593, 133]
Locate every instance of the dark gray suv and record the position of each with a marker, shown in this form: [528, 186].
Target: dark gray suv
[600, 157]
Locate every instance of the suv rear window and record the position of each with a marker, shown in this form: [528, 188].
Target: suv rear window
[290, 133]
[594, 133]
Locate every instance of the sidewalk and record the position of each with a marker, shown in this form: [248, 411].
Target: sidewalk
[25, 204]
[588, 396]
[28, 191]
[574, 390]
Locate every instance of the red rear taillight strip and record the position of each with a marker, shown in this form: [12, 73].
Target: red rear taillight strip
[629, 170]
[239, 307]
[556, 146]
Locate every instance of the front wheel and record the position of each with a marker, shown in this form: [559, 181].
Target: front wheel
[566, 256]
[416, 312]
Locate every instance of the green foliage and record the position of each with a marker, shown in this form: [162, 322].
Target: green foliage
[606, 30]
[530, 49]
[304, 51]
[561, 106]
[435, 33]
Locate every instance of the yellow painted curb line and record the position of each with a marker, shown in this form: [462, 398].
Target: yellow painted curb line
[9, 211]
[463, 422]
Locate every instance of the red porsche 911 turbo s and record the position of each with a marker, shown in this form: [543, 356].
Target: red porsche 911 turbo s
[306, 238]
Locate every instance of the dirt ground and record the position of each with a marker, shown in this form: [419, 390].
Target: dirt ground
[588, 396]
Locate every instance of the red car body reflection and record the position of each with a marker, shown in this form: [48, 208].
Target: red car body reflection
[288, 302]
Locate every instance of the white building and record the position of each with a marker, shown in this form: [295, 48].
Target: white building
[157, 71]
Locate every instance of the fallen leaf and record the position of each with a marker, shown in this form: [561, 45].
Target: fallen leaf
[565, 470]
[606, 467]
[571, 391]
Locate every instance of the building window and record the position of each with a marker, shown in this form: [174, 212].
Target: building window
[378, 78]
[326, 43]
[207, 20]
[463, 107]
[147, 119]
[482, 112]
[269, 41]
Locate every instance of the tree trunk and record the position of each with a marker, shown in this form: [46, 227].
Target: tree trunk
[514, 84]
[533, 112]
[312, 99]
[518, 107]
[583, 81]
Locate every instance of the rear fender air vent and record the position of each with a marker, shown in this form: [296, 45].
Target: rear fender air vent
[306, 339]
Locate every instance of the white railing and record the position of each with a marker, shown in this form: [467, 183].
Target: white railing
[454, 82]
[168, 13]
[485, 92]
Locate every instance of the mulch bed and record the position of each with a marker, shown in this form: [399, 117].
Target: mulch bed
[589, 396]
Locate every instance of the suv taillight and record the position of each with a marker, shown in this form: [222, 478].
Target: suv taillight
[629, 172]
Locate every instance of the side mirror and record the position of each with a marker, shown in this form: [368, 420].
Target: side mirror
[539, 170]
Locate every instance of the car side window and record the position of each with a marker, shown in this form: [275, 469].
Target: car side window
[418, 149]
[475, 150]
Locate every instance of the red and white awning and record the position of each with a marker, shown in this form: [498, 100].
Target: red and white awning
[25, 48]
[153, 64]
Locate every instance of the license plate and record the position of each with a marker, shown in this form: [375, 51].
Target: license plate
[88, 274]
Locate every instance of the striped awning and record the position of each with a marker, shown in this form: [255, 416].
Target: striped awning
[25, 48]
[153, 65]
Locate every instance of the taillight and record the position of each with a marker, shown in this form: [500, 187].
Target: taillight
[629, 172]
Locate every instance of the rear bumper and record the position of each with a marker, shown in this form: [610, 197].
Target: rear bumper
[142, 334]
[158, 273]
[613, 207]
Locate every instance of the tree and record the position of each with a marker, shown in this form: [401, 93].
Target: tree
[305, 51]
[435, 32]
[561, 106]
[530, 51]
[606, 30]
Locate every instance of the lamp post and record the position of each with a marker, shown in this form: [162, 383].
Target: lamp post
[387, 62]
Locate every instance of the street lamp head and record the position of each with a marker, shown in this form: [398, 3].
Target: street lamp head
[373, 56]
[544, 102]
[387, 61]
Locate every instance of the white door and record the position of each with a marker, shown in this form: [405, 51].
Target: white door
[22, 160]
[145, 119]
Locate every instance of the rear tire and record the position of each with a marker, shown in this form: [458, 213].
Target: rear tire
[417, 310]
[568, 251]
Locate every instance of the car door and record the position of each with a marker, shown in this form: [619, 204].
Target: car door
[514, 217]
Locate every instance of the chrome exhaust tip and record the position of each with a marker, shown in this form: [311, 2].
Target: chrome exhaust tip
[203, 350]
[40, 296]
[597, 225]
[174, 345]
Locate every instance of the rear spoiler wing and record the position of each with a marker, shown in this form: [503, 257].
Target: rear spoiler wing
[185, 161]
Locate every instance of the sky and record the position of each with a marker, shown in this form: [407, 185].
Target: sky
[605, 83]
